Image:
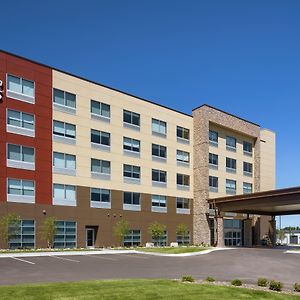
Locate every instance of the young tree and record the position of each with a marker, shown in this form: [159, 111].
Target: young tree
[48, 230]
[120, 230]
[9, 227]
[281, 235]
[156, 230]
[182, 230]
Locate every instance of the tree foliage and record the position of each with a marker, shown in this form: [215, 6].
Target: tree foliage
[48, 230]
[156, 230]
[120, 230]
[9, 227]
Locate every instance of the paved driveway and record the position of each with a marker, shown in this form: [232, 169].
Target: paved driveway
[245, 264]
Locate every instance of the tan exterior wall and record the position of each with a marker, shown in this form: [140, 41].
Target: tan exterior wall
[85, 91]
[268, 160]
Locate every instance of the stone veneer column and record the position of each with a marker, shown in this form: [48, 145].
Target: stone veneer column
[201, 173]
[220, 232]
[248, 233]
[272, 231]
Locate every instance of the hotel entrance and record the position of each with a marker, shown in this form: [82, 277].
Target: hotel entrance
[233, 232]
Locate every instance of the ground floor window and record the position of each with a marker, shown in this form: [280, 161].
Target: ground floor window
[133, 238]
[66, 234]
[183, 239]
[162, 241]
[23, 235]
[233, 232]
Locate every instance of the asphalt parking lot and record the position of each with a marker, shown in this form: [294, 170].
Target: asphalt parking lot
[245, 264]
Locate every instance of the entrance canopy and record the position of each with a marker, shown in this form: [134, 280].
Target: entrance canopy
[271, 203]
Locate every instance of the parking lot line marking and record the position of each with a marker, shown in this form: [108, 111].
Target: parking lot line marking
[64, 258]
[101, 257]
[23, 260]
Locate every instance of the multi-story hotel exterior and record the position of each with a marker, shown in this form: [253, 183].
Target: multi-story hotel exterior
[90, 156]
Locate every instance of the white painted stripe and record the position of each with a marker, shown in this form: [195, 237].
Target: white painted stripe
[23, 260]
[64, 258]
[101, 257]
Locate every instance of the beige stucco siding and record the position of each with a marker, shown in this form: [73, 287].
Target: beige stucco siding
[268, 160]
[85, 91]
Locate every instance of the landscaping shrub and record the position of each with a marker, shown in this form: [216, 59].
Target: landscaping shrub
[187, 278]
[276, 286]
[236, 282]
[210, 279]
[297, 287]
[262, 282]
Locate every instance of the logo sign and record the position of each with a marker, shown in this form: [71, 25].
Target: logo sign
[1, 91]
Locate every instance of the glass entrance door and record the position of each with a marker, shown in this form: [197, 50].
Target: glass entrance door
[90, 237]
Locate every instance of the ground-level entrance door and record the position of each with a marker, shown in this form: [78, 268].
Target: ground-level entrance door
[233, 232]
[90, 237]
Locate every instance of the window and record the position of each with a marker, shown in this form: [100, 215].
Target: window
[213, 137]
[100, 137]
[183, 180]
[20, 187]
[159, 127]
[20, 153]
[100, 166]
[183, 156]
[247, 188]
[247, 168]
[64, 194]
[230, 164]
[213, 183]
[131, 144]
[131, 198]
[159, 175]
[230, 186]
[66, 234]
[213, 159]
[182, 205]
[100, 198]
[63, 98]
[64, 161]
[230, 143]
[247, 147]
[132, 238]
[132, 171]
[159, 151]
[183, 239]
[183, 133]
[159, 201]
[64, 129]
[20, 119]
[100, 109]
[132, 118]
[23, 235]
[20, 86]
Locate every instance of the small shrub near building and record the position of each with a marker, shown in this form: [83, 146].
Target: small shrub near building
[187, 278]
[276, 286]
[236, 282]
[210, 279]
[262, 282]
[297, 287]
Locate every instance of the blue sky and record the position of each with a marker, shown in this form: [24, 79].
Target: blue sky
[240, 56]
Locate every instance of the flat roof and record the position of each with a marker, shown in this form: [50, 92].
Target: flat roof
[273, 203]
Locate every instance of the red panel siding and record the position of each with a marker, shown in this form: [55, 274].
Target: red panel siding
[42, 109]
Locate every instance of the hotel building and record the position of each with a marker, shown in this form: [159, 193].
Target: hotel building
[90, 156]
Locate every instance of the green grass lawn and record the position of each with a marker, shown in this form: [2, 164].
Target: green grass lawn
[174, 250]
[132, 289]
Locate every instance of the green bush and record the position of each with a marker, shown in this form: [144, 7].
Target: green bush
[297, 287]
[210, 279]
[276, 286]
[187, 278]
[262, 282]
[236, 282]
